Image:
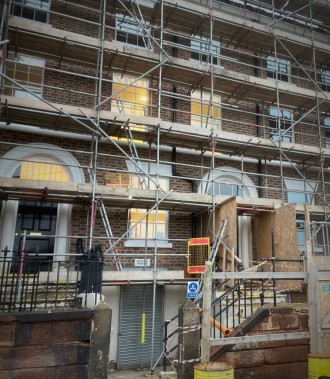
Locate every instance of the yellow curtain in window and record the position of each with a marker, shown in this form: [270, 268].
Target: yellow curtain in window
[136, 214]
[43, 171]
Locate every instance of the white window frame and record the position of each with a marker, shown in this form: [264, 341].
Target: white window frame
[297, 189]
[164, 171]
[128, 29]
[30, 62]
[25, 7]
[200, 120]
[279, 133]
[201, 48]
[231, 176]
[278, 69]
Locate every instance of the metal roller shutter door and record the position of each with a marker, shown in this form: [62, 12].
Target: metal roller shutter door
[137, 300]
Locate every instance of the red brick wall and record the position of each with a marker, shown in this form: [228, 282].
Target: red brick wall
[273, 360]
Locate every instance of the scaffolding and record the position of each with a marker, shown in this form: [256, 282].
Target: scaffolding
[218, 81]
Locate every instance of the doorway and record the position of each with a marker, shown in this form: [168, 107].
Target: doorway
[135, 329]
[38, 221]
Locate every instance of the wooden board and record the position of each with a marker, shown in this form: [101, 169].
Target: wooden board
[44, 356]
[228, 211]
[68, 372]
[43, 333]
[283, 224]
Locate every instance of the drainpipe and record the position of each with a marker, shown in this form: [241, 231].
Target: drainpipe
[174, 104]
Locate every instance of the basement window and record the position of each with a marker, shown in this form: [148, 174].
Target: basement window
[325, 78]
[280, 121]
[133, 32]
[26, 71]
[201, 110]
[278, 69]
[202, 48]
[36, 10]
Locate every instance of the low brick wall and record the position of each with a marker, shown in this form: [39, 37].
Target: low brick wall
[71, 344]
[273, 360]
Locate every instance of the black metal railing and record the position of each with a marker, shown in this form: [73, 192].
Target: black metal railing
[30, 281]
[228, 310]
[239, 301]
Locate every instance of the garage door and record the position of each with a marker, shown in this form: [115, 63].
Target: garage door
[135, 328]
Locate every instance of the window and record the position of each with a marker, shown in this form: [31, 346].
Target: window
[133, 99]
[141, 225]
[280, 120]
[202, 48]
[201, 110]
[327, 132]
[325, 78]
[128, 30]
[146, 228]
[32, 9]
[229, 188]
[301, 234]
[228, 181]
[278, 69]
[28, 72]
[300, 191]
[41, 171]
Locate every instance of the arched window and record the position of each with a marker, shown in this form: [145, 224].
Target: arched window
[228, 181]
[38, 162]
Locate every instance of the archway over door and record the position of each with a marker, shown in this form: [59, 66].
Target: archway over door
[233, 182]
[24, 162]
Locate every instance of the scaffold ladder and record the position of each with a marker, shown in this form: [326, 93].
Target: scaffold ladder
[109, 234]
[108, 230]
[134, 155]
[131, 145]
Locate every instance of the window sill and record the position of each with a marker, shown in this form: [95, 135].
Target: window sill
[282, 81]
[141, 243]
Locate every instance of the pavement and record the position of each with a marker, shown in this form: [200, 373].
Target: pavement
[134, 374]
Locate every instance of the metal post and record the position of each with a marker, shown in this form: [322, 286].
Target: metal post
[273, 266]
[206, 326]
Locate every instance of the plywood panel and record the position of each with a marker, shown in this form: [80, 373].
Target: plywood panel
[227, 210]
[286, 245]
[264, 223]
[283, 223]
[285, 231]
